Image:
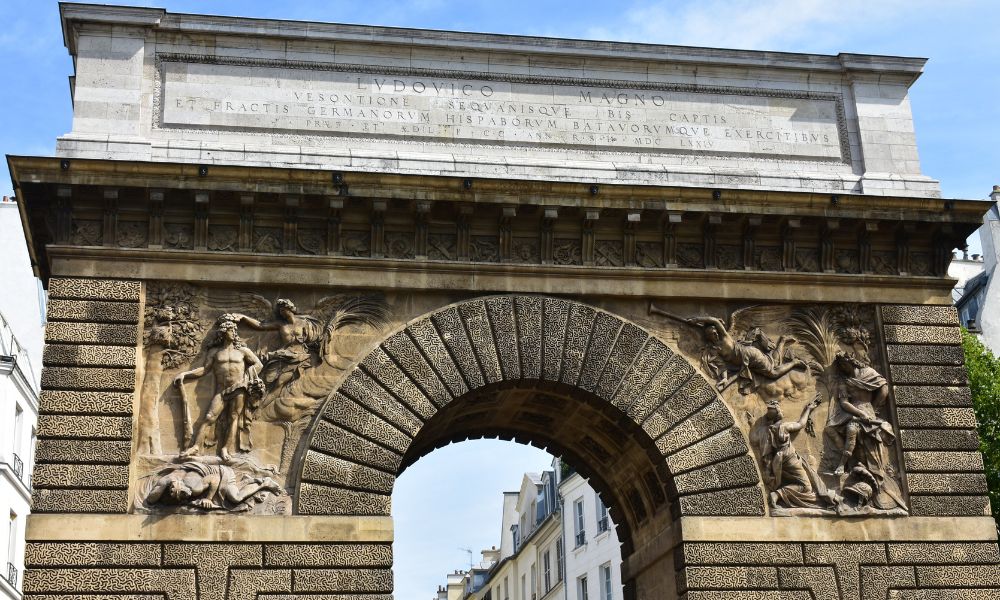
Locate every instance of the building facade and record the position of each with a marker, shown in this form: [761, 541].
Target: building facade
[593, 557]
[297, 257]
[979, 302]
[20, 360]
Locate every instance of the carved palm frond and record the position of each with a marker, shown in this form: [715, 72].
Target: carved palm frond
[368, 310]
[815, 330]
[248, 303]
[744, 319]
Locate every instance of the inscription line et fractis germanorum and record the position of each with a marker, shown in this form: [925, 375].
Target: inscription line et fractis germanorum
[485, 111]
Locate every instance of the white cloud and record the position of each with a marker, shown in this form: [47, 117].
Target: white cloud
[793, 25]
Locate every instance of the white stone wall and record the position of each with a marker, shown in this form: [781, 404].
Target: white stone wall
[599, 548]
[20, 317]
[156, 86]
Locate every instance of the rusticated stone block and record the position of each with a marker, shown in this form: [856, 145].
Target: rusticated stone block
[407, 357]
[748, 595]
[923, 395]
[943, 506]
[79, 501]
[746, 501]
[921, 315]
[652, 358]
[95, 289]
[315, 499]
[82, 451]
[959, 418]
[477, 323]
[93, 311]
[944, 462]
[876, 581]
[342, 411]
[109, 403]
[846, 559]
[730, 577]
[449, 324]
[927, 374]
[944, 553]
[92, 427]
[176, 584]
[88, 378]
[338, 441]
[922, 334]
[672, 376]
[947, 483]
[939, 439]
[91, 554]
[90, 333]
[96, 597]
[247, 584]
[945, 594]
[528, 317]
[821, 581]
[214, 563]
[80, 475]
[328, 555]
[88, 356]
[718, 447]
[711, 419]
[343, 580]
[630, 341]
[381, 369]
[733, 472]
[925, 355]
[263, 596]
[555, 315]
[368, 393]
[959, 576]
[741, 553]
[589, 337]
[326, 469]
[426, 337]
[501, 315]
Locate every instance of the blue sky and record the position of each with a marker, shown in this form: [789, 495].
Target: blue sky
[451, 499]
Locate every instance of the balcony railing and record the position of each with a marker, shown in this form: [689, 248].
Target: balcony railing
[581, 538]
[18, 467]
[602, 524]
[12, 575]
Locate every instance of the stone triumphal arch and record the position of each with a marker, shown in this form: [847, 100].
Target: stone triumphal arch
[286, 260]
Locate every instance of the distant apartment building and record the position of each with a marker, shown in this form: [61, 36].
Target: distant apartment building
[20, 356]
[977, 293]
[557, 541]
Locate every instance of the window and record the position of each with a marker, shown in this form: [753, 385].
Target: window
[524, 587]
[506, 589]
[18, 426]
[534, 580]
[559, 560]
[11, 549]
[534, 514]
[581, 587]
[602, 516]
[606, 581]
[578, 526]
[547, 571]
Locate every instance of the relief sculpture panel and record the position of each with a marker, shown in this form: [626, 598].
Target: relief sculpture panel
[805, 387]
[230, 383]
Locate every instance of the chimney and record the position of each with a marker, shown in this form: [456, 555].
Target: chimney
[995, 195]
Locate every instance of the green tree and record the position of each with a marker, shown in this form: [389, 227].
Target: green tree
[984, 383]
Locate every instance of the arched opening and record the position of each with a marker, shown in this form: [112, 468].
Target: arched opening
[631, 414]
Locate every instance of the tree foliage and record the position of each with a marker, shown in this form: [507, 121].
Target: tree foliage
[984, 383]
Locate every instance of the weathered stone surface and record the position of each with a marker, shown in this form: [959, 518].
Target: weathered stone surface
[876, 581]
[79, 501]
[925, 355]
[84, 427]
[93, 311]
[958, 462]
[386, 373]
[501, 315]
[748, 595]
[38, 554]
[601, 343]
[407, 357]
[425, 336]
[923, 395]
[328, 555]
[343, 580]
[95, 289]
[746, 501]
[715, 417]
[368, 393]
[922, 334]
[315, 499]
[342, 411]
[90, 333]
[63, 401]
[922, 315]
[944, 553]
[739, 471]
[939, 439]
[716, 448]
[947, 483]
[735, 553]
[730, 577]
[215, 567]
[650, 360]
[326, 469]
[959, 576]
[820, 581]
[959, 418]
[88, 356]
[926, 374]
[88, 378]
[846, 559]
[630, 342]
[528, 314]
[452, 331]
[945, 594]
[694, 396]
[176, 584]
[82, 451]
[245, 584]
[674, 374]
[340, 442]
[80, 475]
[555, 314]
[580, 329]
[942, 506]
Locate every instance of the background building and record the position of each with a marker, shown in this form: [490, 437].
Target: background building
[593, 559]
[977, 295]
[20, 357]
